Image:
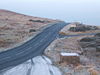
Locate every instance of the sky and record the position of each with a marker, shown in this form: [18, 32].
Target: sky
[85, 11]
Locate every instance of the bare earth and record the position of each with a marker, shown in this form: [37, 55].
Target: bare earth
[16, 28]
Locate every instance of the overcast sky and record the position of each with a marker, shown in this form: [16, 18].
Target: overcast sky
[86, 11]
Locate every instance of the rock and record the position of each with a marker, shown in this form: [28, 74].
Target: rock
[88, 44]
[93, 72]
[97, 42]
[69, 58]
[97, 35]
[77, 29]
[81, 70]
[82, 28]
[98, 48]
[90, 49]
[91, 44]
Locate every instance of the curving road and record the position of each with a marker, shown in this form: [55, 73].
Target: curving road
[31, 48]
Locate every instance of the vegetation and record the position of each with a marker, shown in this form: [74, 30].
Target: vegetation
[37, 21]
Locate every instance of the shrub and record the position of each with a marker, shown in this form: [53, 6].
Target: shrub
[32, 30]
[37, 21]
[87, 39]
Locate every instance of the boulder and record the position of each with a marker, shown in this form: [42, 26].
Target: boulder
[97, 43]
[82, 28]
[97, 35]
[87, 44]
[98, 48]
[90, 49]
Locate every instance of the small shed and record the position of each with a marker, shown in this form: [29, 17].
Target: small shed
[69, 58]
[73, 25]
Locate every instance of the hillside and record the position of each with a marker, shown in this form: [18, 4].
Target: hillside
[16, 28]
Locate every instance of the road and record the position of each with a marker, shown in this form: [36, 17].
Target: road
[31, 48]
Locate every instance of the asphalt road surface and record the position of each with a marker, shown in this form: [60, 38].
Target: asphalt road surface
[31, 48]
